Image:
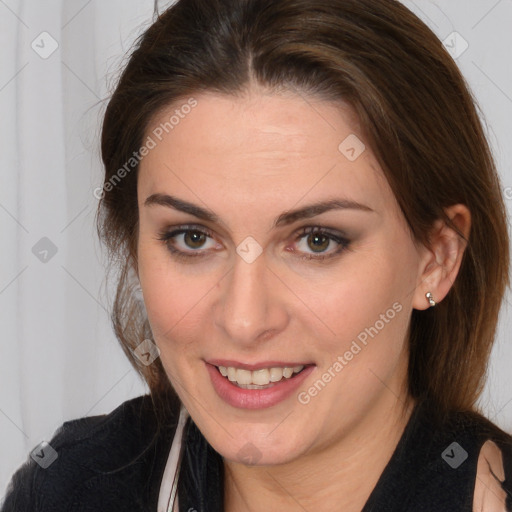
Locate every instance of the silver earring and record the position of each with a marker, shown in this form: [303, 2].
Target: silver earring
[430, 299]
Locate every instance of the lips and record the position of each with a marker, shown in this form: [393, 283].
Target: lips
[255, 397]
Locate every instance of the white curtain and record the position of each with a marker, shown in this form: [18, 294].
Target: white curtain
[58, 357]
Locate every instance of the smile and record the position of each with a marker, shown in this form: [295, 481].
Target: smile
[258, 379]
[257, 388]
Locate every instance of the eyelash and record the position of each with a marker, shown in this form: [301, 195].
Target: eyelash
[167, 236]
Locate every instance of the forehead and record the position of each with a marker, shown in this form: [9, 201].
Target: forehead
[259, 147]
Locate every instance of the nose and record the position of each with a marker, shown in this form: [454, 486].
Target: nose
[250, 307]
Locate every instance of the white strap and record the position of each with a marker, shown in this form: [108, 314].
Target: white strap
[168, 497]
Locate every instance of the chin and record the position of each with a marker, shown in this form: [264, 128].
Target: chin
[258, 449]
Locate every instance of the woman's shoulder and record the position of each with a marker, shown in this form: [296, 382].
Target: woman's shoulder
[476, 458]
[446, 462]
[111, 460]
[493, 475]
[493, 482]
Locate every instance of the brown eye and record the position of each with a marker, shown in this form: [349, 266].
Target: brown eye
[188, 242]
[318, 243]
[314, 242]
[194, 239]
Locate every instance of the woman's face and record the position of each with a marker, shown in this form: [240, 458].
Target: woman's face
[235, 273]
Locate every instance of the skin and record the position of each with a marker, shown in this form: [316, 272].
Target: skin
[249, 159]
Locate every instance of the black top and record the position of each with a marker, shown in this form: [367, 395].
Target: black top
[116, 462]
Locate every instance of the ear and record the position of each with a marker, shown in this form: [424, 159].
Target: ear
[441, 261]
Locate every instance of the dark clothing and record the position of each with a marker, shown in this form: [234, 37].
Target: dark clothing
[115, 462]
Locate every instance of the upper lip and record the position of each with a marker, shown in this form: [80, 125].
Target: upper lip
[254, 366]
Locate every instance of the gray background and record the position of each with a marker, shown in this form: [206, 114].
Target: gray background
[59, 359]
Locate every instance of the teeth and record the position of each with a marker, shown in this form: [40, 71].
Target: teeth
[231, 374]
[260, 377]
[276, 374]
[254, 379]
[244, 377]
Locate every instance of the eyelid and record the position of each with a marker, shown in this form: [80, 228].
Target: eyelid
[334, 235]
[337, 236]
[169, 233]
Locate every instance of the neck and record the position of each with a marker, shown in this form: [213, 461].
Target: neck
[340, 477]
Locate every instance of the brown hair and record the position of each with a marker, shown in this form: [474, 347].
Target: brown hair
[416, 114]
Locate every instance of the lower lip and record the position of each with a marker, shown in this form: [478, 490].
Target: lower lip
[255, 398]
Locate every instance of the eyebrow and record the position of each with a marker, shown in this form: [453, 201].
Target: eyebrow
[284, 219]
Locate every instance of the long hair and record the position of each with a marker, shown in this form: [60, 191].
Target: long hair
[416, 113]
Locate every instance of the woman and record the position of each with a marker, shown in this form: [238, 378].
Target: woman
[313, 253]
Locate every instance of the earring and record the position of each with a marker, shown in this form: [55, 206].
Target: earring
[430, 298]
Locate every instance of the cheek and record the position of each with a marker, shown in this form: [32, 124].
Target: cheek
[159, 286]
[359, 293]
[175, 297]
[365, 309]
